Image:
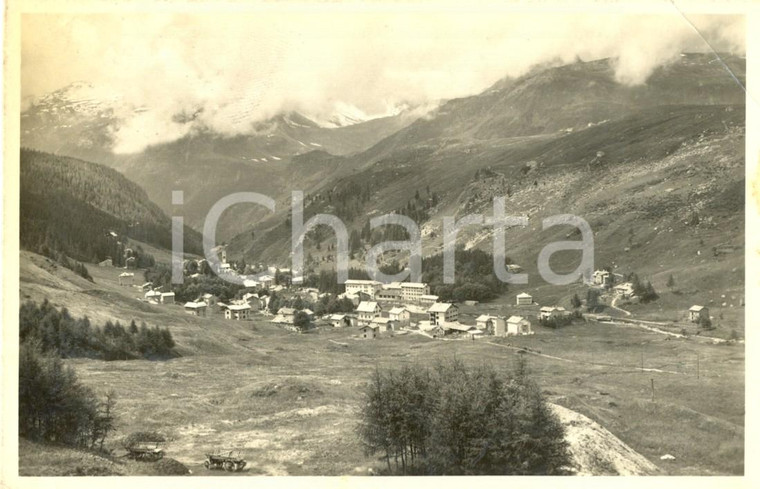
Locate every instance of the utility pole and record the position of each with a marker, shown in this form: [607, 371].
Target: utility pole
[652, 389]
[642, 358]
[697, 365]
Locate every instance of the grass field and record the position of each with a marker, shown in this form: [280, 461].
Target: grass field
[289, 401]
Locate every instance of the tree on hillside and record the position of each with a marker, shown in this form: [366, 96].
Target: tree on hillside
[576, 301]
[592, 299]
[54, 406]
[647, 293]
[671, 281]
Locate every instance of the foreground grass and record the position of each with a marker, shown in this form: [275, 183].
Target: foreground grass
[290, 405]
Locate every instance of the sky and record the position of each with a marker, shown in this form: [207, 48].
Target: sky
[232, 70]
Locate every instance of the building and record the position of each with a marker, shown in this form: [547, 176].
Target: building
[428, 300]
[153, 295]
[249, 283]
[524, 299]
[485, 322]
[384, 324]
[401, 315]
[498, 327]
[167, 298]
[212, 302]
[266, 281]
[130, 262]
[548, 312]
[340, 321]
[411, 292]
[443, 312]
[369, 287]
[625, 291]
[696, 313]
[126, 278]
[518, 325]
[252, 300]
[196, 308]
[603, 278]
[456, 327]
[287, 314]
[367, 311]
[237, 312]
[368, 331]
[389, 292]
[106, 263]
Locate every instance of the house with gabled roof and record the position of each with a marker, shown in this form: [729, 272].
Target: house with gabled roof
[196, 308]
[401, 315]
[368, 331]
[384, 324]
[367, 311]
[443, 312]
[518, 325]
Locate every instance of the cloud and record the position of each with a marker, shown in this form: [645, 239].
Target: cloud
[232, 70]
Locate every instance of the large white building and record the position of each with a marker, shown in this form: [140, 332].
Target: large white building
[389, 292]
[411, 292]
[369, 287]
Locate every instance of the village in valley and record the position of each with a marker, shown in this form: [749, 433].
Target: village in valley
[373, 309]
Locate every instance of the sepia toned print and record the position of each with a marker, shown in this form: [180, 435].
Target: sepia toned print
[335, 241]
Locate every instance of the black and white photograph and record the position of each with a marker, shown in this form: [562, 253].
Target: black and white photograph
[362, 239]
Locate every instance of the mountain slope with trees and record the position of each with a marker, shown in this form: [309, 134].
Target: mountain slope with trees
[86, 211]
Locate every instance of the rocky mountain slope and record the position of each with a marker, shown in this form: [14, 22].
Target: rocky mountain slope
[554, 161]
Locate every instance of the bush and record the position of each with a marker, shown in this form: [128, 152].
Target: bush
[555, 322]
[457, 420]
[301, 320]
[705, 323]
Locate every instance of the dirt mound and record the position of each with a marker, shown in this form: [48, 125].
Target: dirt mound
[167, 466]
[596, 451]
